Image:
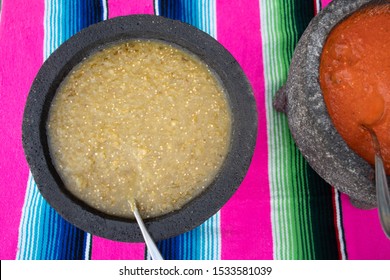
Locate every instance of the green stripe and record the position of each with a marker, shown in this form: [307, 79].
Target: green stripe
[302, 212]
[281, 30]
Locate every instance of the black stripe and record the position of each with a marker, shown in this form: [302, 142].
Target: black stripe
[320, 200]
[322, 217]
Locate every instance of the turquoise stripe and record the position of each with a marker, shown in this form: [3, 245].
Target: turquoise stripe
[43, 233]
[53, 232]
[34, 213]
[48, 229]
[23, 226]
[39, 233]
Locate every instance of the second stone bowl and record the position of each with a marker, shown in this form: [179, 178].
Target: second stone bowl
[309, 122]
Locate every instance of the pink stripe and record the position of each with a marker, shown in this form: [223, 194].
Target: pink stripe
[363, 233]
[21, 44]
[325, 3]
[245, 219]
[122, 8]
[103, 249]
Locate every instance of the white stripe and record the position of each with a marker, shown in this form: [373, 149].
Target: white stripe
[105, 9]
[214, 22]
[23, 222]
[25, 217]
[51, 35]
[30, 222]
[45, 29]
[48, 41]
[148, 257]
[207, 231]
[339, 226]
[30, 219]
[217, 228]
[318, 6]
[50, 28]
[208, 243]
[266, 40]
[87, 252]
[1, 6]
[211, 241]
[204, 240]
[36, 222]
[203, 15]
[157, 7]
[57, 35]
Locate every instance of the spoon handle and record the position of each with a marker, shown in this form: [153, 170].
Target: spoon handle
[153, 250]
[382, 194]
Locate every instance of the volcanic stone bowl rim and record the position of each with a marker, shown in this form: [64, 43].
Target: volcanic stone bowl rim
[243, 136]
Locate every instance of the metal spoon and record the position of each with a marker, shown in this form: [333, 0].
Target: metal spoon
[382, 194]
[382, 188]
[153, 250]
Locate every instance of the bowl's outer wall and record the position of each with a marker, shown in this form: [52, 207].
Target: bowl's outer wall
[308, 119]
[87, 41]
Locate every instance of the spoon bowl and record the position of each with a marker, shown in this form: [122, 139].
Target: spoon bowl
[382, 188]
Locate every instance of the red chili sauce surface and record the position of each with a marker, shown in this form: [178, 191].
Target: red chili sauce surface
[355, 80]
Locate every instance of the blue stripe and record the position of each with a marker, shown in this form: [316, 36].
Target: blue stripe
[200, 14]
[43, 233]
[202, 243]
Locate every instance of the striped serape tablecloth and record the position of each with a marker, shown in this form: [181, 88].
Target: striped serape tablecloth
[283, 210]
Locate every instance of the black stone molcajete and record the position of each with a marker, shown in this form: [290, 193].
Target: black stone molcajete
[95, 37]
[311, 127]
